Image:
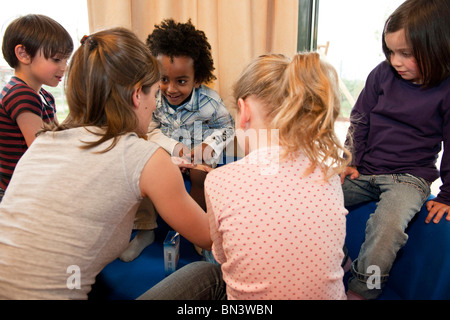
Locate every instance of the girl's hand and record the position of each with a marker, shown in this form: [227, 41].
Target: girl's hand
[202, 153]
[349, 171]
[437, 210]
[182, 163]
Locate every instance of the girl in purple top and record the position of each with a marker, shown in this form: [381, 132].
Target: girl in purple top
[397, 127]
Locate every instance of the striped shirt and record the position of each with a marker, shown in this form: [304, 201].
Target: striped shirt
[15, 98]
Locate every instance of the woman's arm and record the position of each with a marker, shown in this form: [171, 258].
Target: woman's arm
[162, 182]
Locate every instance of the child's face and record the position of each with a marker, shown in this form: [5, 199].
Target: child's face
[177, 78]
[47, 71]
[401, 56]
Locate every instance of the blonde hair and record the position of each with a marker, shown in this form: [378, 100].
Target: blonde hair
[102, 76]
[301, 99]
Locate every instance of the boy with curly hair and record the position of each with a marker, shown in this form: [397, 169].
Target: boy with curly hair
[185, 103]
[190, 120]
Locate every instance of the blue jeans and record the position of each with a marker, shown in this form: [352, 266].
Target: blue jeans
[400, 197]
[199, 280]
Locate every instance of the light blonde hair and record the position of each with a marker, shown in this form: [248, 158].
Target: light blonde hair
[301, 99]
[102, 76]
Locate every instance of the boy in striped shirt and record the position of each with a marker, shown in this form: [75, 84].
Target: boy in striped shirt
[37, 48]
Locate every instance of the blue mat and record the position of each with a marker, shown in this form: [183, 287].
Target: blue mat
[128, 280]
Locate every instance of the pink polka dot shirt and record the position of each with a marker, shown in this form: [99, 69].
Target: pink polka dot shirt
[277, 234]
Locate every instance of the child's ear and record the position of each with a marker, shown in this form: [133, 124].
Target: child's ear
[245, 114]
[22, 55]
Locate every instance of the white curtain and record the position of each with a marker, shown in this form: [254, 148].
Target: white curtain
[238, 30]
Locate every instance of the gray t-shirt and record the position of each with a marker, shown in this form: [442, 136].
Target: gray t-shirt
[67, 213]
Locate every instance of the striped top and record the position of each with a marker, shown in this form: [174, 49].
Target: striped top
[15, 98]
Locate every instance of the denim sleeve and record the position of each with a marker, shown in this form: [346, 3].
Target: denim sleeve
[221, 127]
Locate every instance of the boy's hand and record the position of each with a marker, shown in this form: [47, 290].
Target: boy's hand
[437, 210]
[203, 167]
[182, 151]
[181, 157]
[202, 153]
[349, 171]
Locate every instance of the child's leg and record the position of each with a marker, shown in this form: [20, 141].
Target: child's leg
[198, 193]
[402, 196]
[145, 222]
[197, 187]
[196, 281]
[360, 190]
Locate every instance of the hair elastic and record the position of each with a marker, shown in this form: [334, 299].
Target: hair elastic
[92, 43]
[83, 40]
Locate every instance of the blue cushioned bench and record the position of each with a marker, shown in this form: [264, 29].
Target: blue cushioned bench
[421, 270]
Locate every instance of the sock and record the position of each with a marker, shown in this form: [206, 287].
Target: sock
[142, 239]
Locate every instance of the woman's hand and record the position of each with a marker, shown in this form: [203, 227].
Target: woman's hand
[182, 163]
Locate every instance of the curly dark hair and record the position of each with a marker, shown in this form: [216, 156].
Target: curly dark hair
[183, 39]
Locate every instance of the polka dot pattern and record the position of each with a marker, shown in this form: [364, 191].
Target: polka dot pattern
[277, 234]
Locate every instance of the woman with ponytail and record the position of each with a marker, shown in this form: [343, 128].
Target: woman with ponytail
[70, 206]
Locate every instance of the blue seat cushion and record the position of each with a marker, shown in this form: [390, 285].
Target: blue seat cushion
[421, 269]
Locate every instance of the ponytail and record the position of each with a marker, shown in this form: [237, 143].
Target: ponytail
[302, 100]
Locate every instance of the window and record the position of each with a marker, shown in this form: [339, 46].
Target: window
[72, 15]
[349, 35]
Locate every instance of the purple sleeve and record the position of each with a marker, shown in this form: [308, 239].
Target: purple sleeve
[359, 118]
[444, 194]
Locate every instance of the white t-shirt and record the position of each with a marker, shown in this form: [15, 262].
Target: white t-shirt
[67, 213]
[277, 234]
